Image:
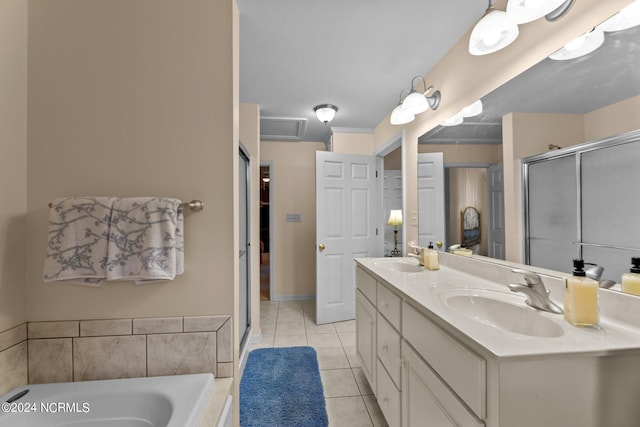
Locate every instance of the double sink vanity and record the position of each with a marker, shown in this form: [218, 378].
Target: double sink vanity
[455, 347]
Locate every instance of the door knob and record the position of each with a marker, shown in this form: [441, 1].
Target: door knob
[439, 244]
[321, 247]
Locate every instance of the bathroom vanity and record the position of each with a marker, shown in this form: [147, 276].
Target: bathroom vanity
[455, 347]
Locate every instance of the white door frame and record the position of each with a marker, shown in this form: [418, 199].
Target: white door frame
[394, 142]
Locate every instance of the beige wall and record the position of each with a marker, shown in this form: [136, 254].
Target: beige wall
[621, 117]
[13, 161]
[468, 187]
[352, 143]
[293, 247]
[134, 99]
[465, 153]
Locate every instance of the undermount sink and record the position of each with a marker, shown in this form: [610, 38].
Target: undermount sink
[502, 311]
[399, 264]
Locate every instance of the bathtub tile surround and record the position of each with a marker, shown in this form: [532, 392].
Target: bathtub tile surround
[102, 358]
[186, 353]
[13, 358]
[50, 360]
[80, 350]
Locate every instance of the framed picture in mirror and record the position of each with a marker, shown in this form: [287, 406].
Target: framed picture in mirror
[470, 219]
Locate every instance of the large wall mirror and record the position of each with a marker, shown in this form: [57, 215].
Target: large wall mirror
[607, 76]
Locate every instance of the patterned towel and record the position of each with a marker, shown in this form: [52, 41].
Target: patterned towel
[78, 240]
[146, 240]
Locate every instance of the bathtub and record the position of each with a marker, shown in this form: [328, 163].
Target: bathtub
[172, 401]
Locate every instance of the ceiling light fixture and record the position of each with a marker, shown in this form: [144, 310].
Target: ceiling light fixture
[580, 46]
[454, 120]
[627, 18]
[325, 112]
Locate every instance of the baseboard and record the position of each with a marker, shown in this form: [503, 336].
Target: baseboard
[280, 298]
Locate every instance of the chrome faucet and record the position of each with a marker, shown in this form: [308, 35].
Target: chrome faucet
[416, 252]
[538, 295]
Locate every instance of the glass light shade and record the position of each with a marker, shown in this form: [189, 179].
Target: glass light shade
[325, 113]
[523, 11]
[453, 120]
[472, 110]
[415, 103]
[395, 217]
[627, 18]
[580, 46]
[400, 116]
[496, 30]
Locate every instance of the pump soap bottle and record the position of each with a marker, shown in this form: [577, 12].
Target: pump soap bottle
[631, 280]
[580, 297]
[431, 258]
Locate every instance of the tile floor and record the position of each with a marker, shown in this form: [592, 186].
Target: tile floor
[348, 396]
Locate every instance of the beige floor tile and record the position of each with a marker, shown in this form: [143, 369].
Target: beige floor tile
[374, 411]
[347, 412]
[290, 316]
[352, 357]
[332, 358]
[348, 326]
[312, 328]
[290, 341]
[362, 382]
[348, 339]
[324, 340]
[266, 342]
[339, 383]
[268, 328]
[290, 328]
[291, 305]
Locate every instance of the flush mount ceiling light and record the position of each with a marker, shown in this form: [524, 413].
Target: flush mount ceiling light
[325, 112]
[523, 11]
[623, 20]
[580, 46]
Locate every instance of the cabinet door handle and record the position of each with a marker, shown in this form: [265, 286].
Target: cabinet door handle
[384, 304]
[385, 347]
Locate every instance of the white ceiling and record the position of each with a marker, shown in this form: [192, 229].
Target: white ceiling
[356, 54]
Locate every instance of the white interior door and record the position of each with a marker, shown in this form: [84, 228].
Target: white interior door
[495, 182]
[347, 214]
[431, 220]
[391, 199]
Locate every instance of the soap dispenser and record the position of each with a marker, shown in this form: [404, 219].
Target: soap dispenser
[631, 280]
[580, 297]
[431, 258]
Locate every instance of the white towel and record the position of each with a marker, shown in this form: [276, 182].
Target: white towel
[146, 240]
[78, 240]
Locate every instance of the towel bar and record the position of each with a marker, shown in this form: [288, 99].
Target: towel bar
[194, 205]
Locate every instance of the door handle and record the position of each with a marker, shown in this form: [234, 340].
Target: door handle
[321, 247]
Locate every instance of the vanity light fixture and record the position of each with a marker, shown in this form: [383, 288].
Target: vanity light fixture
[627, 18]
[473, 109]
[497, 29]
[580, 46]
[523, 11]
[400, 115]
[454, 120]
[325, 112]
[414, 103]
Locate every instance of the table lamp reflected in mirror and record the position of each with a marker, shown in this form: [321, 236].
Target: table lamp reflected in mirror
[395, 219]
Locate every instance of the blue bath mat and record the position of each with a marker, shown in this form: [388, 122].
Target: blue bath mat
[281, 387]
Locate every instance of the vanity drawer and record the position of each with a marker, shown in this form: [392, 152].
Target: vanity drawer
[388, 397]
[462, 369]
[367, 284]
[389, 349]
[390, 305]
[426, 397]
